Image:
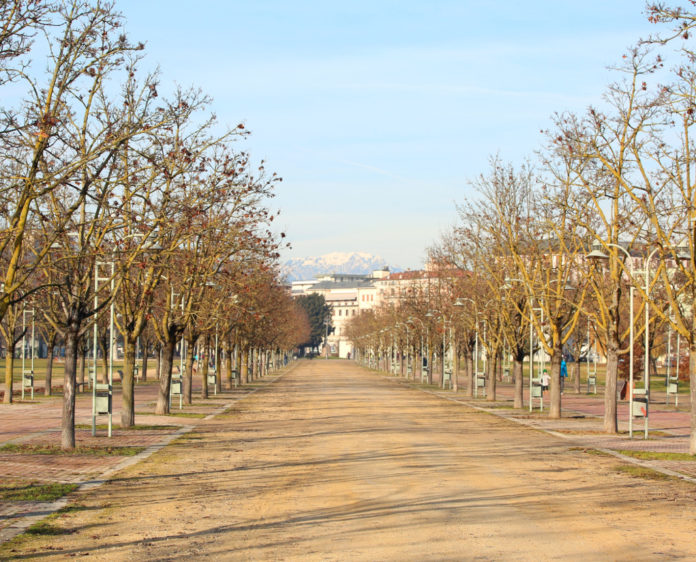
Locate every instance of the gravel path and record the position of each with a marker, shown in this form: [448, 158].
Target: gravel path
[333, 462]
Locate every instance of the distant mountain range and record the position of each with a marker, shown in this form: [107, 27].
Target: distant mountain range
[359, 263]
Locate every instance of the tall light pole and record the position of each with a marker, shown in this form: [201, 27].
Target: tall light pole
[27, 375]
[646, 366]
[597, 254]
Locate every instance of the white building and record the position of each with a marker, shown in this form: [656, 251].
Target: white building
[349, 294]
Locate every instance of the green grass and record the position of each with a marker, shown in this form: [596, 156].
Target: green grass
[141, 427]
[33, 491]
[44, 528]
[590, 451]
[188, 415]
[96, 451]
[656, 456]
[642, 472]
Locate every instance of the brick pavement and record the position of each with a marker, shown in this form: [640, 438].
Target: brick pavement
[37, 422]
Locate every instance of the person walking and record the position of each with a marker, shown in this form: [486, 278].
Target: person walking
[545, 381]
[564, 374]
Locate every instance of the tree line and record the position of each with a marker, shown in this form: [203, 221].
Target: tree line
[114, 196]
[596, 232]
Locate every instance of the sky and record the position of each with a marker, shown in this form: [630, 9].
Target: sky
[378, 114]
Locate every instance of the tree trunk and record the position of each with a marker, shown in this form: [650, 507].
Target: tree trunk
[128, 383]
[188, 370]
[81, 364]
[244, 365]
[218, 369]
[576, 377]
[611, 424]
[105, 363]
[555, 387]
[518, 377]
[469, 383]
[67, 436]
[455, 370]
[9, 372]
[158, 360]
[165, 381]
[228, 365]
[491, 383]
[692, 395]
[145, 349]
[203, 367]
[430, 365]
[51, 344]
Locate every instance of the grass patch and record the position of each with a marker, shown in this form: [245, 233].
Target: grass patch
[35, 491]
[187, 415]
[45, 529]
[590, 451]
[656, 456]
[642, 472]
[174, 413]
[142, 427]
[95, 451]
[496, 406]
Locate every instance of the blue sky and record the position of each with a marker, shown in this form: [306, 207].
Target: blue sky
[377, 114]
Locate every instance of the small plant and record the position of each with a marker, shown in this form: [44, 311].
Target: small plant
[590, 451]
[642, 472]
[657, 456]
[43, 528]
[33, 491]
[97, 451]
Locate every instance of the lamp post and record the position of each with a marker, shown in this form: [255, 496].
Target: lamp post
[27, 376]
[597, 254]
[646, 366]
[102, 396]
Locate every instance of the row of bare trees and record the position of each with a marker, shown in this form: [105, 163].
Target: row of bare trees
[112, 195]
[615, 183]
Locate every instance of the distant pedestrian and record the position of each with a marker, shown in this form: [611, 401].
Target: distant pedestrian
[545, 381]
[564, 374]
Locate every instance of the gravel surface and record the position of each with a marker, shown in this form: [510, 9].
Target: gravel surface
[332, 462]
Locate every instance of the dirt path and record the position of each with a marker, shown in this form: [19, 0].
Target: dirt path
[334, 463]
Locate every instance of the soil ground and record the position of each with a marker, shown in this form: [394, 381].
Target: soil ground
[334, 462]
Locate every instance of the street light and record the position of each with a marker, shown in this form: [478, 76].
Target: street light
[27, 375]
[596, 254]
[102, 394]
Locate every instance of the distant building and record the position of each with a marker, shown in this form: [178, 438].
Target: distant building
[349, 294]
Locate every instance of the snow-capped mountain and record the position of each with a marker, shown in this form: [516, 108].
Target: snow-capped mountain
[300, 269]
